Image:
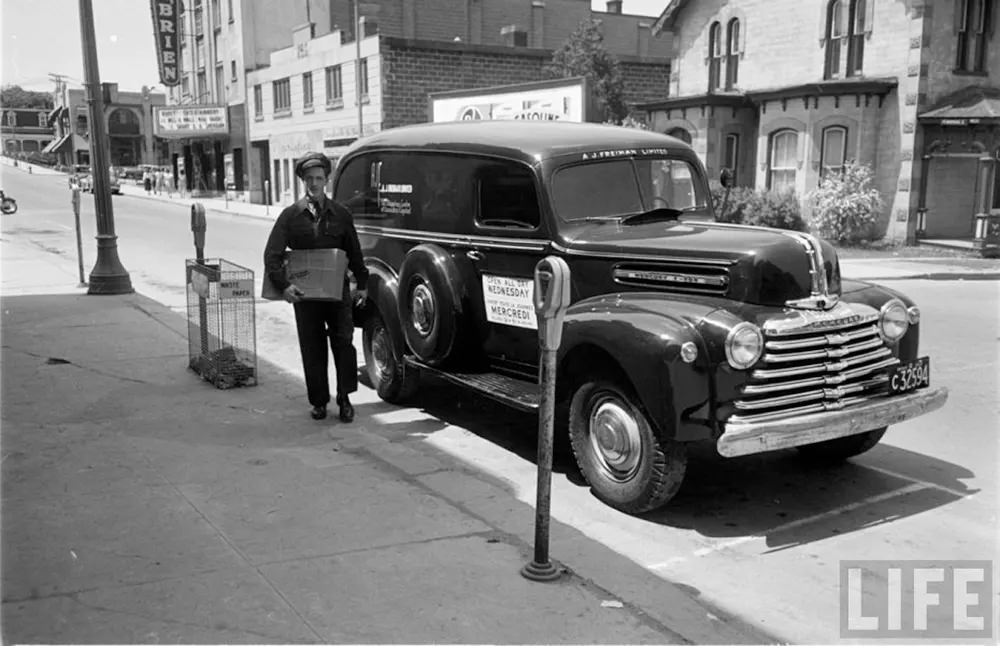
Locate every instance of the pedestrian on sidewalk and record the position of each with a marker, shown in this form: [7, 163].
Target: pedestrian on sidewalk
[318, 222]
[147, 180]
[161, 186]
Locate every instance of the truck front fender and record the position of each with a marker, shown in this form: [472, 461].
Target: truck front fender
[643, 334]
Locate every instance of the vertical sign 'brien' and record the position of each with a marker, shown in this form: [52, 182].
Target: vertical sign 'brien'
[166, 29]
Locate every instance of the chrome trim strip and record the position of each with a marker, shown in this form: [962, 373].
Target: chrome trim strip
[835, 338]
[708, 262]
[826, 352]
[834, 366]
[490, 242]
[842, 315]
[671, 278]
[743, 437]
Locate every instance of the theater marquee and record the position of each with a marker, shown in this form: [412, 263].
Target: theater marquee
[179, 122]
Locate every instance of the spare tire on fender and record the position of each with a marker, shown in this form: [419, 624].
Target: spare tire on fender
[429, 302]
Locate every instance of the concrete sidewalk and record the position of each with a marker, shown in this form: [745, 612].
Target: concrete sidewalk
[142, 505]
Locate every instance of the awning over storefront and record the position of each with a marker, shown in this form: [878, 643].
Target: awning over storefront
[66, 143]
[976, 104]
[55, 114]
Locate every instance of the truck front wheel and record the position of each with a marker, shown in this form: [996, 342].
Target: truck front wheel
[623, 461]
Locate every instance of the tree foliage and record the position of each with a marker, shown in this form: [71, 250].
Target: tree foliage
[14, 96]
[583, 54]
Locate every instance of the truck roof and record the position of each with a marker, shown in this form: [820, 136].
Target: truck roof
[526, 140]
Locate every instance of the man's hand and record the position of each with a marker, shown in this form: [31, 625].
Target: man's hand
[293, 294]
[360, 297]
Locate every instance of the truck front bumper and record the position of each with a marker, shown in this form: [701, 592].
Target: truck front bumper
[745, 439]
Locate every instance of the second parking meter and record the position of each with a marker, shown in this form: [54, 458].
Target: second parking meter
[551, 298]
[198, 226]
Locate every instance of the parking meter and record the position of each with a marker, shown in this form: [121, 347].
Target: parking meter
[198, 226]
[75, 201]
[551, 298]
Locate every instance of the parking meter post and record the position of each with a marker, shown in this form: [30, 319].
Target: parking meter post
[198, 226]
[267, 197]
[551, 299]
[75, 198]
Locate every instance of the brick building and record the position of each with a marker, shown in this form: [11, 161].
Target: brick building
[304, 97]
[784, 91]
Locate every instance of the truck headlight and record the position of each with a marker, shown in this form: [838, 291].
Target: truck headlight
[744, 345]
[893, 320]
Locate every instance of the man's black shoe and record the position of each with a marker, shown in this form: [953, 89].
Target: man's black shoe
[346, 410]
[318, 412]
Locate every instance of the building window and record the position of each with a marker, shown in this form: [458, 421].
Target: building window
[845, 37]
[833, 151]
[307, 90]
[216, 15]
[783, 160]
[732, 53]
[363, 71]
[731, 155]
[258, 101]
[229, 5]
[334, 86]
[972, 22]
[282, 96]
[185, 85]
[215, 48]
[220, 83]
[203, 90]
[43, 120]
[232, 71]
[714, 56]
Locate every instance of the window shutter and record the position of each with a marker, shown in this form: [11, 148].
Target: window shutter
[869, 16]
[958, 24]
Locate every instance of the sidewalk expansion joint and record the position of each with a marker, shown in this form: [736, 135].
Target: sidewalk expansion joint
[58, 361]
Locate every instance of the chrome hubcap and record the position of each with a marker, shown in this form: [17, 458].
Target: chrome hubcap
[615, 438]
[382, 353]
[423, 309]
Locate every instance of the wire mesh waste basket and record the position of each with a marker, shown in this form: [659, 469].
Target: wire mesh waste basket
[222, 336]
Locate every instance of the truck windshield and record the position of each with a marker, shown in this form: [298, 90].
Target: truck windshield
[617, 188]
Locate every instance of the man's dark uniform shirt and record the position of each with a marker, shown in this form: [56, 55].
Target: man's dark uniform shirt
[331, 227]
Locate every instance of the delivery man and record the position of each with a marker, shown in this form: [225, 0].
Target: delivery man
[318, 222]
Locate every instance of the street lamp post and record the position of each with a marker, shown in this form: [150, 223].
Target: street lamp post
[108, 275]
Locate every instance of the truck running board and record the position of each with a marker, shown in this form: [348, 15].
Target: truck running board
[517, 393]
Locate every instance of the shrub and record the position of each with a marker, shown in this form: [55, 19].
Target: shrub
[846, 206]
[758, 208]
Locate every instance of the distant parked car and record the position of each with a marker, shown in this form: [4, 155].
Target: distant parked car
[86, 182]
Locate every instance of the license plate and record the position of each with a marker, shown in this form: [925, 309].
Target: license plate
[910, 375]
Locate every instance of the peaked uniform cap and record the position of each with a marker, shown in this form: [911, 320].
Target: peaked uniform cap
[312, 160]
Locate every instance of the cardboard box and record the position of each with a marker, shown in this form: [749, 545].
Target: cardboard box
[317, 272]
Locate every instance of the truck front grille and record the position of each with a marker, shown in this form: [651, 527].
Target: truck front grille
[812, 372]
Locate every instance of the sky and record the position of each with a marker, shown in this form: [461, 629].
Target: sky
[42, 37]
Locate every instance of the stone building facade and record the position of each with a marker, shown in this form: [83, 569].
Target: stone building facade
[785, 91]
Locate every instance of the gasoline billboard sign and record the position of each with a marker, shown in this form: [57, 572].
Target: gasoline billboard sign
[166, 30]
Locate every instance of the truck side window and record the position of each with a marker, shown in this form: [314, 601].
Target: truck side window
[354, 188]
[507, 196]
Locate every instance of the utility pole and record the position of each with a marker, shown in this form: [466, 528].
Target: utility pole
[108, 275]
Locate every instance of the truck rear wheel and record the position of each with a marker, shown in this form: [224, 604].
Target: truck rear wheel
[623, 461]
[391, 378]
[841, 448]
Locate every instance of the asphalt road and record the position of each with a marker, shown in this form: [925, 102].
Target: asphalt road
[762, 536]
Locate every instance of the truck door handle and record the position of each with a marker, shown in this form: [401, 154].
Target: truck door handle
[474, 255]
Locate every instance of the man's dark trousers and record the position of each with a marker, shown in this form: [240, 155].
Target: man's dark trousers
[318, 321]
